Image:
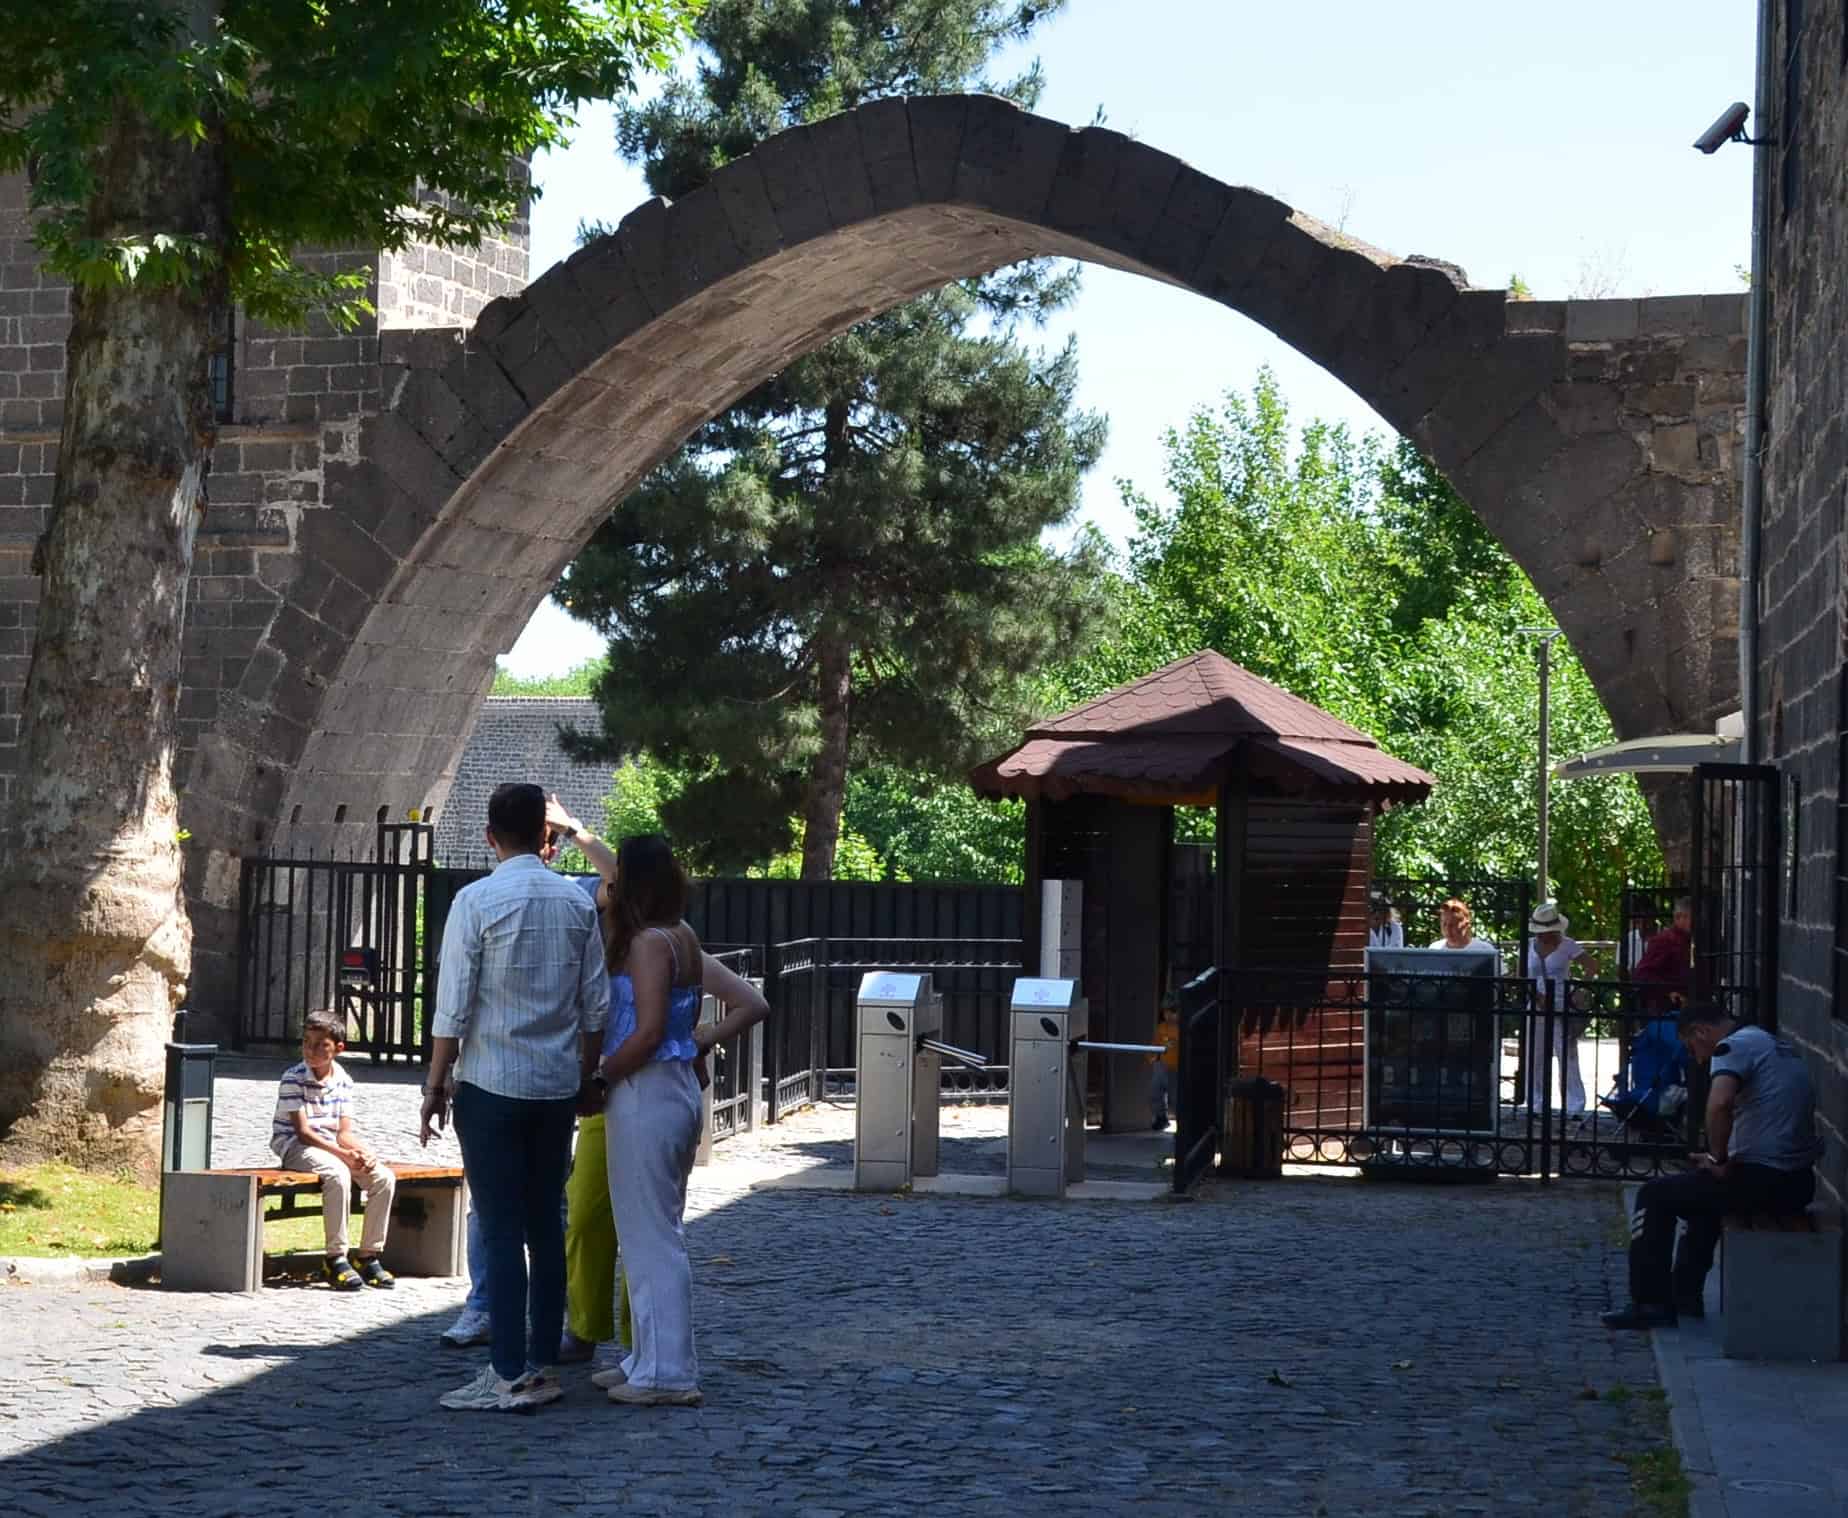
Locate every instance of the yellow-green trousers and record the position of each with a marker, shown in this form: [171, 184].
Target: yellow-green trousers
[592, 1283]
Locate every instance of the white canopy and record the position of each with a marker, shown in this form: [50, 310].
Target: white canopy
[1674, 753]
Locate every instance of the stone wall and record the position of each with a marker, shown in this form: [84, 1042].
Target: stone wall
[516, 738]
[1801, 664]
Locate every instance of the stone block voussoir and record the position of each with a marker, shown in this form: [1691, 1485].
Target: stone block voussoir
[1084, 182]
[1007, 159]
[748, 212]
[530, 354]
[642, 238]
[571, 318]
[347, 549]
[699, 250]
[885, 148]
[937, 126]
[835, 143]
[1238, 244]
[614, 299]
[409, 461]
[792, 181]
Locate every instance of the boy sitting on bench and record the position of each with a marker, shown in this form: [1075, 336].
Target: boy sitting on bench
[313, 1130]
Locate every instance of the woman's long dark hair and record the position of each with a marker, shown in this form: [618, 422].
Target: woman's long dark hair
[650, 890]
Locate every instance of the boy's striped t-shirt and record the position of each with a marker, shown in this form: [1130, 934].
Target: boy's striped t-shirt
[325, 1102]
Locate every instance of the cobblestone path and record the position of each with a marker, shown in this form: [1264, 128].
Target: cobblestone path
[1309, 1346]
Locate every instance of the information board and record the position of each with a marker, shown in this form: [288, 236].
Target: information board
[1433, 1044]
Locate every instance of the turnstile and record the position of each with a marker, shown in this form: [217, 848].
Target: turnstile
[898, 1073]
[1047, 1046]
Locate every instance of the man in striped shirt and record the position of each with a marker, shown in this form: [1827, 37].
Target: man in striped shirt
[313, 1130]
[521, 1000]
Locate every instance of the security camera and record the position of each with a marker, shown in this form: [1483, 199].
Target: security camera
[1729, 128]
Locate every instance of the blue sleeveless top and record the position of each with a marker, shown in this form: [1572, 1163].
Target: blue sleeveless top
[682, 1013]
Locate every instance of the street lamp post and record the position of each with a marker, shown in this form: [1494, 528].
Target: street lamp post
[1544, 654]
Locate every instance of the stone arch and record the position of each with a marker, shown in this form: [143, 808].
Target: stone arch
[1593, 438]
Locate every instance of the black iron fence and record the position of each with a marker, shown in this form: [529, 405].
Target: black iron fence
[365, 936]
[1483, 1075]
[813, 986]
[737, 1065]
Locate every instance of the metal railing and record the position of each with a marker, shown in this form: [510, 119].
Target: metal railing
[812, 985]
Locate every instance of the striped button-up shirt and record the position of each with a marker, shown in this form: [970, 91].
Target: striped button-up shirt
[521, 981]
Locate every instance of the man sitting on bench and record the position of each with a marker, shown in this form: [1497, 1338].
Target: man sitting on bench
[1761, 1152]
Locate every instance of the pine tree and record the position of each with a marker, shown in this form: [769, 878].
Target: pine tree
[846, 567]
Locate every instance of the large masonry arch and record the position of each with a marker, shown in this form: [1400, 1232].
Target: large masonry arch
[1595, 439]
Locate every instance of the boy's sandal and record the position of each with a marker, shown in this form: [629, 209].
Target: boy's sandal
[341, 1276]
[373, 1272]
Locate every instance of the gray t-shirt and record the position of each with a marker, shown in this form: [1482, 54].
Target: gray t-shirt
[1774, 1117]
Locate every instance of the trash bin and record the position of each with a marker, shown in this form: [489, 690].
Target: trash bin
[1252, 1141]
[186, 1105]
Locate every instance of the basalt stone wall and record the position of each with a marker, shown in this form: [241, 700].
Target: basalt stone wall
[1804, 701]
[516, 738]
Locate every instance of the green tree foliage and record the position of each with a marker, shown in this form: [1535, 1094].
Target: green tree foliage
[1352, 575]
[579, 680]
[844, 569]
[928, 828]
[334, 124]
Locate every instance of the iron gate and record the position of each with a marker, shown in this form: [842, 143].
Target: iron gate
[1401, 1074]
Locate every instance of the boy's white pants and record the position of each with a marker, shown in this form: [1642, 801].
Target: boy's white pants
[337, 1197]
[651, 1135]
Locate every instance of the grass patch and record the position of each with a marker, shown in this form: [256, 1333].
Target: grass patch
[54, 1212]
[1660, 1485]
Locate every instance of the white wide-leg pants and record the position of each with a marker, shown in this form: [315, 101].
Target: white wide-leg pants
[650, 1137]
[1565, 1060]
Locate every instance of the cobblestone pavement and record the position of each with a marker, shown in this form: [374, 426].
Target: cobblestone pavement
[1314, 1345]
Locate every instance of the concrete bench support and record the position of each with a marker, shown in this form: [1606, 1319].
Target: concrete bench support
[429, 1229]
[211, 1232]
[1781, 1288]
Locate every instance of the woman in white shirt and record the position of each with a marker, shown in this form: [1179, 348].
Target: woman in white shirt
[1459, 927]
[1549, 967]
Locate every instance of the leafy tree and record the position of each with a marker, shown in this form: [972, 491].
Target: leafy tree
[1352, 575]
[579, 680]
[928, 828]
[845, 568]
[180, 152]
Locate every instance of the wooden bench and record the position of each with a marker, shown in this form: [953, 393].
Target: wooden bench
[211, 1223]
[1781, 1286]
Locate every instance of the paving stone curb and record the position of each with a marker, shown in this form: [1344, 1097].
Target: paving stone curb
[26, 1270]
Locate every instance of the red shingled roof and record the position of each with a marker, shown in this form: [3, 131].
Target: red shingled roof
[1173, 733]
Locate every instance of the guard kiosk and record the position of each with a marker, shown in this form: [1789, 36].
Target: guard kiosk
[1048, 1020]
[895, 1116]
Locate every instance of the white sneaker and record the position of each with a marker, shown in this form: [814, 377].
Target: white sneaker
[610, 1375]
[470, 1328]
[534, 1389]
[655, 1396]
[486, 1393]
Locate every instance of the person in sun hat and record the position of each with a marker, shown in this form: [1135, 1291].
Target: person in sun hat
[1550, 956]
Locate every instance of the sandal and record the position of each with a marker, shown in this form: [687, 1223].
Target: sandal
[373, 1272]
[340, 1275]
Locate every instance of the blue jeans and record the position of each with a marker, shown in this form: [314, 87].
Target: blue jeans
[478, 1258]
[516, 1154]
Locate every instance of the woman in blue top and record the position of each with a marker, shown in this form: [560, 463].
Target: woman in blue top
[652, 1115]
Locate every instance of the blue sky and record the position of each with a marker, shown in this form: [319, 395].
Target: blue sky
[1549, 141]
